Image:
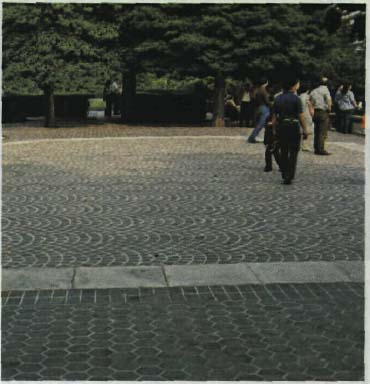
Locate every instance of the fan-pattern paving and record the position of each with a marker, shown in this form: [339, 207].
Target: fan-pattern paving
[175, 201]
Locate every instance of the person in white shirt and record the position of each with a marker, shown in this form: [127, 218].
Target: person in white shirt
[321, 101]
[346, 103]
[308, 113]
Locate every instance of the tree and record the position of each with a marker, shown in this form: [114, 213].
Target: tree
[239, 40]
[53, 46]
[143, 46]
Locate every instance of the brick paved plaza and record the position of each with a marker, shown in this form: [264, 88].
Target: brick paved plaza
[101, 197]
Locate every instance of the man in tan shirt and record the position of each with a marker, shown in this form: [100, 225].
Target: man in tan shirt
[321, 101]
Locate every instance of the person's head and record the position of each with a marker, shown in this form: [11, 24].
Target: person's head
[291, 84]
[304, 87]
[324, 80]
[263, 82]
[346, 87]
[247, 85]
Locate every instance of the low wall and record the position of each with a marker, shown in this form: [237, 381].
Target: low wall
[17, 108]
[166, 107]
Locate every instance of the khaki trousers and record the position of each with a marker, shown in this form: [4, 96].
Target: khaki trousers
[321, 120]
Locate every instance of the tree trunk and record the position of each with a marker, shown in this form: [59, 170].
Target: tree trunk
[128, 96]
[50, 121]
[219, 102]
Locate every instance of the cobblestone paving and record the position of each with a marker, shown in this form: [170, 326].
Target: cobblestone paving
[272, 332]
[22, 132]
[175, 201]
[32, 131]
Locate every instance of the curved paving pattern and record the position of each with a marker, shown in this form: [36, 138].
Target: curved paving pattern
[175, 201]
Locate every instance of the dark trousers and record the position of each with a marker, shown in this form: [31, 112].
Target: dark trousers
[246, 113]
[108, 106]
[344, 121]
[289, 142]
[321, 120]
[288, 160]
[272, 148]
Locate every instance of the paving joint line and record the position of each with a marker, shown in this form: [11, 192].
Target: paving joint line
[254, 274]
[163, 269]
[74, 271]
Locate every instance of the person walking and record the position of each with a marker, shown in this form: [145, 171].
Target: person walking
[115, 95]
[287, 122]
[263, 109]
[321, 101]
[308, 112]
[271, 148]
[346, 102]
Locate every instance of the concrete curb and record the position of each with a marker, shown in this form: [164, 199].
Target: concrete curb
[182, 275]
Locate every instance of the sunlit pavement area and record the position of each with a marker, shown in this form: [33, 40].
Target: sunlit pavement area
[230, 274]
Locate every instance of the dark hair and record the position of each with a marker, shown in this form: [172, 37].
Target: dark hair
[345, 88]
[289, 83]
[305, 87]
[247, 85]
[322, 81]
[263, 80]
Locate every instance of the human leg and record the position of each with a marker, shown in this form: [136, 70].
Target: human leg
[243, 113]
[293, 157]
[317, 128]
[284, 152]
[342, 121]
[268, 158]
[347, 121]
[324, 132]
[264, 113]
[108, 106]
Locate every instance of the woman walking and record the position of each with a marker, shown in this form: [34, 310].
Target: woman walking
[308, 113]
[346, 102]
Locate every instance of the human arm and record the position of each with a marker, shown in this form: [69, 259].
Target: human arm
[266, 98]
[301, 117]
[303, 124]
[352, 98]
[327, 98]
[310, 107]
[273, 123]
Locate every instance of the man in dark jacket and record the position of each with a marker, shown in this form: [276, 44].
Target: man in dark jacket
[286, 119]
[263, 109]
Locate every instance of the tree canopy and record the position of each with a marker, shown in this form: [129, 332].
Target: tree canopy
[75, 47]
[63, 46]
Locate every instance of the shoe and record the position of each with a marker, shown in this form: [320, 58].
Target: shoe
[267, 169]
[323, 153]
[287, 181]
[252, 141]
[259, 140]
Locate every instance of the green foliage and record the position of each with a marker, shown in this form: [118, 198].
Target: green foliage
[97, 104]
[76, 47]
[57, 46]
[150, 81]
